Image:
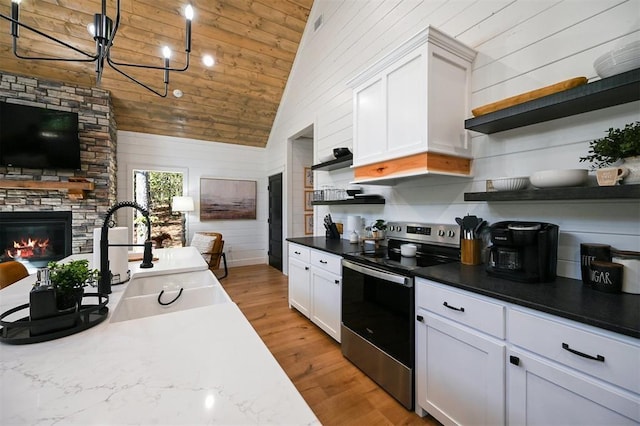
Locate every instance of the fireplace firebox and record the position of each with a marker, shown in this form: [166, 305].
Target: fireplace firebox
[35, 238]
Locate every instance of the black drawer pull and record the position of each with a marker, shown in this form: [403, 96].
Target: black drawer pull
[446, 305]
[337, 281]
[306, 268]
[566, 347]
[323, 262]
[420, 318]
[296, 252]
[514, 360]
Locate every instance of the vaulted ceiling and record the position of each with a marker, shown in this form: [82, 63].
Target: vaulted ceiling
[253, 43]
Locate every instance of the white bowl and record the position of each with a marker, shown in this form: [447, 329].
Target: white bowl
[559, 178]
[618, 60]
[510, 183]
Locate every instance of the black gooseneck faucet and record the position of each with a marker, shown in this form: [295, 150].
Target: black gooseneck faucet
[104, 284]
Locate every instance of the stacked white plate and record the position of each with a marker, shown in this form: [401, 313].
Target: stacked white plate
[625, 58]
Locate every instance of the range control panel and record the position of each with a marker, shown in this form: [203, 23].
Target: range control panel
[430, 233]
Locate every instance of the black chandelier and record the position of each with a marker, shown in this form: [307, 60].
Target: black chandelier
[104, 31]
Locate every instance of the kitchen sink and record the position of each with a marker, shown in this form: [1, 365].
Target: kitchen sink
[159, 295]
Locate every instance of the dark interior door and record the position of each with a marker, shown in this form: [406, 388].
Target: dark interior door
[275, 221]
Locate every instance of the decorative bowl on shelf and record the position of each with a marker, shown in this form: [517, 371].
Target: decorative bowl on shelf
[617, 61]
[559, 178]
[510, 183]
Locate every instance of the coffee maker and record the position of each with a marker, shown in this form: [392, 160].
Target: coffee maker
[523, 251]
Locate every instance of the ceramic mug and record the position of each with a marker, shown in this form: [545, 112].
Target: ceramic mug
[611, 176]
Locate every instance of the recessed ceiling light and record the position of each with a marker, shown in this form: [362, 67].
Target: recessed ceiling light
[178, 93]
[208, 60]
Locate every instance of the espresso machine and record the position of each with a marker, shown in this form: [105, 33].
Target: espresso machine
[523, 251]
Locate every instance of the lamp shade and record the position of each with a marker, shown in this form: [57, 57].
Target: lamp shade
[182, 204]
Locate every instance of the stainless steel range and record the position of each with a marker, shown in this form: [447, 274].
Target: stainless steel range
[378, 302]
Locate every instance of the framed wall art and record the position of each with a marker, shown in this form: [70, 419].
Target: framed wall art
[308, 177]
[308, 200]
[308, 224]
[227, 199]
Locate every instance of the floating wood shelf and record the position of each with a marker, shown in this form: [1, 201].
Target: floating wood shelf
[615, 90]
[76, 187]
[576, 193]
[338, 163]
[349, 201]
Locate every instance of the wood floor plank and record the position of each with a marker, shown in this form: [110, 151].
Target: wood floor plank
[337, 391]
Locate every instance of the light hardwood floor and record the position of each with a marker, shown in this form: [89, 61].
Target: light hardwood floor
[337, 391]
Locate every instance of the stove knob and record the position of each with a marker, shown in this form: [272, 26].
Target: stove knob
[393, 228]
[451, 234]
[398, 228]
[441, 233]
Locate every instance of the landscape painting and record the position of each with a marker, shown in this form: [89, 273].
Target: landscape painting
[227, 199]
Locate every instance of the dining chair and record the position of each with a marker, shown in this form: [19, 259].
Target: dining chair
[11, 271]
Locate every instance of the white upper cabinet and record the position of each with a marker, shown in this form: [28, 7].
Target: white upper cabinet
[413, 101]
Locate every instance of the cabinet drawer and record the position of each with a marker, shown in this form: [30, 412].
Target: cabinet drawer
[299, 252]
[616, 361]
[326, 261]
[462, 307]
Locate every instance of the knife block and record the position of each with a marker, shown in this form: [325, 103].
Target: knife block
[332, 233]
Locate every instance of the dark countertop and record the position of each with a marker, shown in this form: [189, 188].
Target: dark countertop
[338, 247]
[565, 297]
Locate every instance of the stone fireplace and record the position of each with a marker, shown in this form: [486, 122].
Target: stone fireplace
[97, 132]
[35, 238]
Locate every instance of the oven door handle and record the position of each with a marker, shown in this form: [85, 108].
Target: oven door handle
[376, 273]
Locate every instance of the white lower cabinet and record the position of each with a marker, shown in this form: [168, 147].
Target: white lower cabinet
[299, 279]
[546, 370]
[542, 392]
[564, 373]
[315, 285]
[326, 296]
[459, 369]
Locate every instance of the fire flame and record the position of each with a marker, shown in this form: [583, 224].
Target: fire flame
[28, 248]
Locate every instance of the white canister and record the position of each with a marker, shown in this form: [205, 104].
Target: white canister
[631, 273]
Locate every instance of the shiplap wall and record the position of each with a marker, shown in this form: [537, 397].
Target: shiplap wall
[522, 45]
[245, 240]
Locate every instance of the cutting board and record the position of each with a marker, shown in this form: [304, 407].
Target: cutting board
[528, 96]
[134, 257]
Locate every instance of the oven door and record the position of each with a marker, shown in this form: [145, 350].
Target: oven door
[378, 306]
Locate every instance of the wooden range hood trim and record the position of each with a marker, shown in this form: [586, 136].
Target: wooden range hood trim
[384, 172]
[75, 186]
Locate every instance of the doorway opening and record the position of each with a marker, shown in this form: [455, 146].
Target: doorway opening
[154, 191]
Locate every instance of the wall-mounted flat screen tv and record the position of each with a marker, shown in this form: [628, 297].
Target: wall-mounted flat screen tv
[38, 138]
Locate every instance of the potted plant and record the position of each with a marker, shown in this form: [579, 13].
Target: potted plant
[68, 280]
[379, 228]
[619, 144]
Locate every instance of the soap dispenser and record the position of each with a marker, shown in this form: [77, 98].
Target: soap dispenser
[354, 238]
[42, 302]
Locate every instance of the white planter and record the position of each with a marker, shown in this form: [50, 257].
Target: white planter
[633, 164]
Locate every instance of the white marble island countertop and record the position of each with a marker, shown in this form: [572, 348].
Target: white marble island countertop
[204, 365]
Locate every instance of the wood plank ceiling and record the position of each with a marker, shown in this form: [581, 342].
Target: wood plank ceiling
[253, 43]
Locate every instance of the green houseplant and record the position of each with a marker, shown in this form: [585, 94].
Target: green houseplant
[617, 145]
[379, 228]
[69, 280]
